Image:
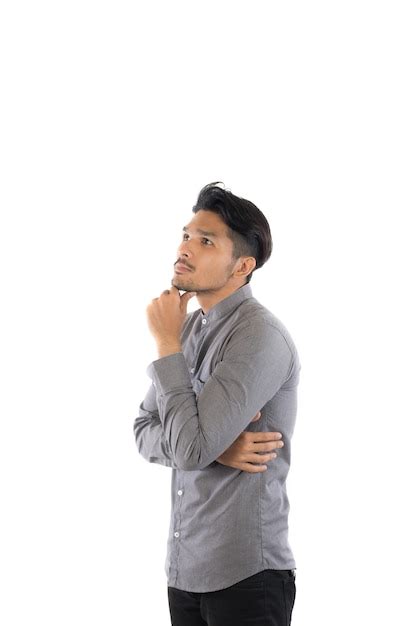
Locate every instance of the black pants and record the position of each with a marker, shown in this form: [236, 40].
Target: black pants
[265, 599]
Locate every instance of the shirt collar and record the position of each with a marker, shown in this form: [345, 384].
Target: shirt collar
[229, 303]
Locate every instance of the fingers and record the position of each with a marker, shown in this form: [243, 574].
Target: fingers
[255, 462]
[251, 468]
[256, 417]
[267, 446]
[185, 298]
[254, 467]
[263, 436]
[257, 453]
[255, 457]
[260, 442]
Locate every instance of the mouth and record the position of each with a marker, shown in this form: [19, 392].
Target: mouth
[181, 268]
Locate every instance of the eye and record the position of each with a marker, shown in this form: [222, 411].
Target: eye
[204, 239]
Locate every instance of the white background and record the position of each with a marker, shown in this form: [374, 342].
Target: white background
[113, 116]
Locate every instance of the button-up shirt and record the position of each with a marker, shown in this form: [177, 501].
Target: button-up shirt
[226, 524]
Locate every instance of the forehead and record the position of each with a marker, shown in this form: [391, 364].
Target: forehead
[208, 223]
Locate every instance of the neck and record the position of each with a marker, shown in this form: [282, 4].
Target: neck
[208, 299]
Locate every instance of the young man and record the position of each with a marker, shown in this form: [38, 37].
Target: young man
[223, 397]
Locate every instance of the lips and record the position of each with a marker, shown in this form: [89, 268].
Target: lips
[182, 268]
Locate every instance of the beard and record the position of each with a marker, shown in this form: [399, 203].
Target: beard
[212, 287]
[179, 285]
[178, 282]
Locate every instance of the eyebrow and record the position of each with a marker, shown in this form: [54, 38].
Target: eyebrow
[206, 233]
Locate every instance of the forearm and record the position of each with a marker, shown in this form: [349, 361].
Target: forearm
[200, 428]
[149, 435]
[150, 442]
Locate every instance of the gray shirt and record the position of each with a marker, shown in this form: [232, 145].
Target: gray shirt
[226, 524]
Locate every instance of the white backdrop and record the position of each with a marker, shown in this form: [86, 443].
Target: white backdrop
[113, 116]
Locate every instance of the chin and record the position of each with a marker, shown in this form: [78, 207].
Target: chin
[182, 288]
[175, 283]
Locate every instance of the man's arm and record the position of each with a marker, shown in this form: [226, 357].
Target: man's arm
[151, 444]
[149, 435]
[256, 362]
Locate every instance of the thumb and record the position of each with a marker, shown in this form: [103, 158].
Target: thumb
[187, 296]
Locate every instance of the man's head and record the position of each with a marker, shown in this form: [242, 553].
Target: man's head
[226, 240]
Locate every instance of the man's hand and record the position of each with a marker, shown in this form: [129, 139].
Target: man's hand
[244, 454]
[166, 316]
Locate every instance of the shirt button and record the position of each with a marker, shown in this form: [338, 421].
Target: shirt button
[204, 321]
[192, 370]
[177, 534]
[180, 492]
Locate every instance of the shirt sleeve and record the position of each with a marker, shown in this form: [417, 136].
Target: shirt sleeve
[256, 362]
[149, 434]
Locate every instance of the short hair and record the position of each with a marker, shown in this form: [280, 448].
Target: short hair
[248, 228]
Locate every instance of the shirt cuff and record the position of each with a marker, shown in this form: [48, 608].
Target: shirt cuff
[169, 372]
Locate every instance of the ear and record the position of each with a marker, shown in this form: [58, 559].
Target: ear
[246, 266]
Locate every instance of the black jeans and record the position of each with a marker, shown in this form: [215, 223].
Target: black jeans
[265, 599]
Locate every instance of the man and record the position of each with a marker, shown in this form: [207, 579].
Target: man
[223, 398]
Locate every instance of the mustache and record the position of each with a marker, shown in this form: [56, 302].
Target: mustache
[183, 263]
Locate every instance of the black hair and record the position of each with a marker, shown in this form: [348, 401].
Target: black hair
[248, 228]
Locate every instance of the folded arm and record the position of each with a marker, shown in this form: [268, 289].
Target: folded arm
[149, 434]
[197, 430]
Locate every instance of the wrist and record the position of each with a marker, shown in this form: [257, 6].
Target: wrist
[165, 348]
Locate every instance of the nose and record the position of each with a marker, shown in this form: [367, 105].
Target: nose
[184, 249]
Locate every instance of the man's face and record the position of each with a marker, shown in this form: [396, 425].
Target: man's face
[207, 250]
